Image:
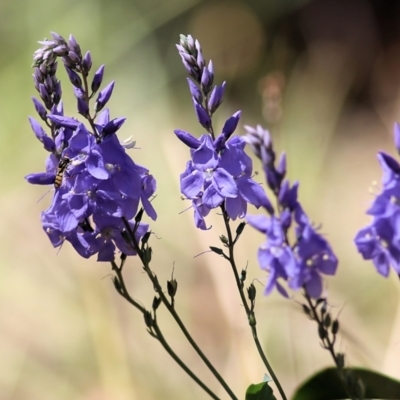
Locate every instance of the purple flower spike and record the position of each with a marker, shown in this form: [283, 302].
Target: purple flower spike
[380, 241]
[104, 96]
[302, 263]
[96, 183]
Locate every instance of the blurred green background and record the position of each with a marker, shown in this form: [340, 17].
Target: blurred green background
[324, 76]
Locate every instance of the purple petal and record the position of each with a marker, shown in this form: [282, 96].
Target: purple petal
[236, 207]
[211, 198]
[66, 122]
[254, 194]
[259, 222]
[187, 138]
[41, 178]
[95, 166]
[224, 183]
[192, 184]
[314, 285]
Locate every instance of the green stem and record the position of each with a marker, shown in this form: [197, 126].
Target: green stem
[327, 342]
[159, 336]
[158, 289]
[168, 349]
[249, 312]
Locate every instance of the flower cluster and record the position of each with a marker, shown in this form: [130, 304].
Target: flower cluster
[299, 264]
[98, 187]
[219, 173]
[380, 240]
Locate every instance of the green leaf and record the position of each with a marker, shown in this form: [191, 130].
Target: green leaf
[327, 385]
[260, 391]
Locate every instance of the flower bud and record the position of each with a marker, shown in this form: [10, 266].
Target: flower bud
[148, 319]
[104, 96]
[87, 62]
[202, 115]
[74, 78]
[97, 79]
[195, 91]
[39, 108]
[172, 287]
[156, 302]
[216, 97]
[251, 292]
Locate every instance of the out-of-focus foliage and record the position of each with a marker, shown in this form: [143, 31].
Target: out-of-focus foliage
[323, 75]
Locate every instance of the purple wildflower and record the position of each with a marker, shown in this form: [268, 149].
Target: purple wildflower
[213, 178]
[380, 240]
[98, 187]
[302, 263]
[219, 173]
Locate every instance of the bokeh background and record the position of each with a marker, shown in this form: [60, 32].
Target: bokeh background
[323, 76]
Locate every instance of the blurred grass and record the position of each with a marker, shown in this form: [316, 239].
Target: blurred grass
[64, 331]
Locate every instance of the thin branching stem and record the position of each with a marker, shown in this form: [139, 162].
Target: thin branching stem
[350, 382]
[168, 349]
[327, 342]
[156, 333]
[173, 312]
[249, 312]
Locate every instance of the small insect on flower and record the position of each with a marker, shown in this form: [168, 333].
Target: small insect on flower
[62, 167]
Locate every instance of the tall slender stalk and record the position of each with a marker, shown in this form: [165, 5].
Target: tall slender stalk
[249, 310]
[155, 331]
[171, 309]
